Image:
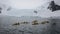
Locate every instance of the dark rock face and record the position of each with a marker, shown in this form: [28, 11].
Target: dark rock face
[0, 9]
[9, 8]
[53, 6]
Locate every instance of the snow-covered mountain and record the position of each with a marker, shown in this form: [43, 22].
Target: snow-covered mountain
[42, 10]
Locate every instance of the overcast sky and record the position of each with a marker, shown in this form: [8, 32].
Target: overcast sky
[26, 4]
